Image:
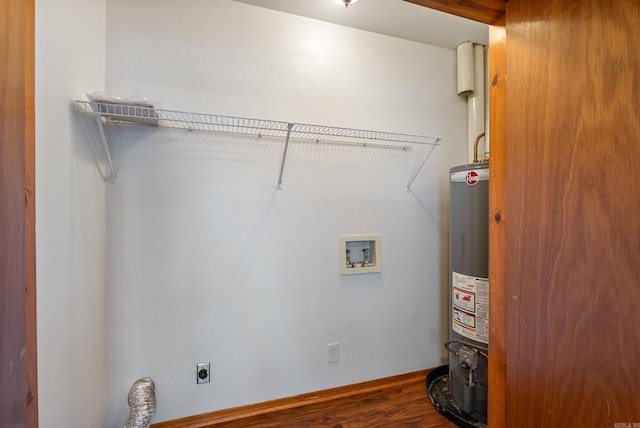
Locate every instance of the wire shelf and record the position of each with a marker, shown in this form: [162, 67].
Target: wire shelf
[141, 114]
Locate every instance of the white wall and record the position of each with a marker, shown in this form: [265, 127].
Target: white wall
[70, 213]
[207, 261]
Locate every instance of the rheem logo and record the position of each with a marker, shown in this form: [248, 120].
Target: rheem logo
[472, 178]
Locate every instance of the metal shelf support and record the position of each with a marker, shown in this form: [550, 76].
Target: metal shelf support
[284, 154]
[110, 175]
[424, 161]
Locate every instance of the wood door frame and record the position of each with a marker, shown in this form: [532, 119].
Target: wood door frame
[494, 13]
[18, 355]
[497, 236]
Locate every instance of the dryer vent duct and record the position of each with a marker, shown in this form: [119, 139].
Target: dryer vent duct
[142, 403]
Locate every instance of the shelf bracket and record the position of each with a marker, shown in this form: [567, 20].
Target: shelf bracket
[89, 109]
[424, 161]
[284, 154]
[110, 175]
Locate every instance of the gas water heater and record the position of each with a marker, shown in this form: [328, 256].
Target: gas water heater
[469, 288]
[459, 390]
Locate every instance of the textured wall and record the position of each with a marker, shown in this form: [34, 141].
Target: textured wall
[70, 216]
[207, 261]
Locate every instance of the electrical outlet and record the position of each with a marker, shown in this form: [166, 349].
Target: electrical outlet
[203, 373]
[333, 352]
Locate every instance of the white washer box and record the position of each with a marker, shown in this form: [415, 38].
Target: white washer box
[360, 254]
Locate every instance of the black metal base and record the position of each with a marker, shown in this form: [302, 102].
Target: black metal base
[437, 384]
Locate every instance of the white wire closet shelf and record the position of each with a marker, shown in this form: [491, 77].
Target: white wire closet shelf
[141, 114]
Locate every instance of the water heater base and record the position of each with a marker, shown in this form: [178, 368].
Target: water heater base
[437, 384]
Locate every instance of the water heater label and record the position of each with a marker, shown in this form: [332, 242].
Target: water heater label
[470, 307]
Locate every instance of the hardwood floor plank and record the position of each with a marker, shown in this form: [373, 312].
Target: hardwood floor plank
[400, 406]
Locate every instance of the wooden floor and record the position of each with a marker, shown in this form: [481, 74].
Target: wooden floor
[405, 405]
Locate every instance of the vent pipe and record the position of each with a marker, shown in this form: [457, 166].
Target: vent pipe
[471, 84]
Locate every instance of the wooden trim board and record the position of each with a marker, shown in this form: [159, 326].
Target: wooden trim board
[486, 11]
[18, 363]
[235, 413]
[497, 222]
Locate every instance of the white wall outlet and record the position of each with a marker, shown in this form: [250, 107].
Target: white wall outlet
[203, 373]
[333, 352]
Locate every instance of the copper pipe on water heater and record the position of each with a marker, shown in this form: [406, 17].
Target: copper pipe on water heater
[475, 147]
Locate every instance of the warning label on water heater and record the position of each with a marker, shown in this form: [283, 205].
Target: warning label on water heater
[470, 307]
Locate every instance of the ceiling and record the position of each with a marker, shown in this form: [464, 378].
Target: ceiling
[395, 18]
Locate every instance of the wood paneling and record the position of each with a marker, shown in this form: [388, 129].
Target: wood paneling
[573, 228]
[18, 402]
[497, 221]
[487, 11]
[398, 401]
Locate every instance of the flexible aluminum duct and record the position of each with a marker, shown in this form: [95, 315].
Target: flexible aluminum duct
[142, 403]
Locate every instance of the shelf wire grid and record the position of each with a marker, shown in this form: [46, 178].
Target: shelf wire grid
[140, 114]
